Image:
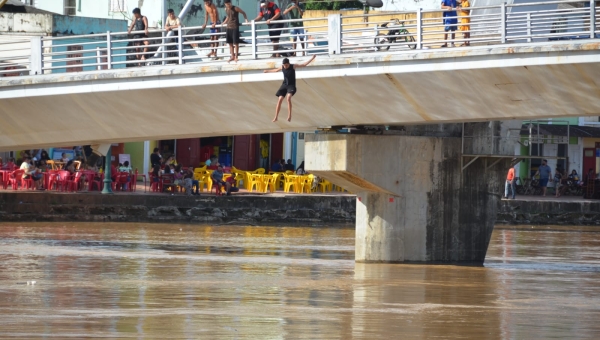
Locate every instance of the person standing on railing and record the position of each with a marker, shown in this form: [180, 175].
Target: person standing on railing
[213, 13]
[450, 20]
[295, 11]
[140, 23]
[288, 88]
[465, 20]
[233, 29]
[270, 12]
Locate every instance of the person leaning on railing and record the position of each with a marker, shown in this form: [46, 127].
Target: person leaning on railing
[140, 23]
[295, 11]
[270, 12]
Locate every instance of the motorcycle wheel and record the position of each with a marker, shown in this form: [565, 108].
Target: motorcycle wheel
[382, 42]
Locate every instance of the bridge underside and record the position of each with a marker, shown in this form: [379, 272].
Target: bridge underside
[479, 84]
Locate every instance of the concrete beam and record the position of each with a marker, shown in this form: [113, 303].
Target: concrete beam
[455, 85]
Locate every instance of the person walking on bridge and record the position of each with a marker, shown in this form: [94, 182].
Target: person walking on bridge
[288, 87]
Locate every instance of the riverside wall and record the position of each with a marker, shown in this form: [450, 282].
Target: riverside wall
[238, 209]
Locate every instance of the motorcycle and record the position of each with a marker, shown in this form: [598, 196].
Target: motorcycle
[396, 34]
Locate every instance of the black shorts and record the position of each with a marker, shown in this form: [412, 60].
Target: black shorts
[232, 36]
[275, 34]
[285, 89]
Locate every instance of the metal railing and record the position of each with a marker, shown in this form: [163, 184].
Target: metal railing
[335, 34]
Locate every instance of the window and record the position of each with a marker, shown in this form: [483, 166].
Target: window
[76, 61]
[70, 7]
[118, 6]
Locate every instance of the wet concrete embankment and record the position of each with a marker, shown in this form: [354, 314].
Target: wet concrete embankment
[243, 209]
[549, 211]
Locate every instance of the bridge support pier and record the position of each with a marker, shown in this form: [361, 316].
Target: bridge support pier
[415, 204]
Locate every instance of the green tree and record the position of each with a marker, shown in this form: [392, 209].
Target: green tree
[332, 5]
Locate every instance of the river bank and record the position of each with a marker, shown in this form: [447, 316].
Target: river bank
[314, 209]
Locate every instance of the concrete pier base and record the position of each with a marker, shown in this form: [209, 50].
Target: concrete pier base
[414, 201]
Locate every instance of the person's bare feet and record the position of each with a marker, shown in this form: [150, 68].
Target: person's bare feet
[230, 60]
[289, 118]
[274, 119]
[236, 60]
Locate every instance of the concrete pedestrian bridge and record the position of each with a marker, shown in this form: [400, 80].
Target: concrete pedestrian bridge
[480, 83]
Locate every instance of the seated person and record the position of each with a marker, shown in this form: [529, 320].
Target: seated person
[31, 172]
[189, 174]
[70, 167]
[179, 180]
[289, 166]
[217, 178]
[232, 188]
[171, 161]
[156, 172]
[212, 161]
[276, 167]
[64, 158]
[125, 167]
[11, 166]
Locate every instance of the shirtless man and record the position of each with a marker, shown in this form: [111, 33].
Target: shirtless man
[211, 10]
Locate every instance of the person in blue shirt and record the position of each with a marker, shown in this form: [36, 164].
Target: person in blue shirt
[450, 20]
[276, 167]
[545, 173]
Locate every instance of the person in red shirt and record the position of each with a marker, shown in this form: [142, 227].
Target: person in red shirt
[270, 12]
[510, 182]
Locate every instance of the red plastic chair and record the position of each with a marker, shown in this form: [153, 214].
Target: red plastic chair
[60, 180]
[155, 183]
[14, 178]
[97, 183]
[27, 183]
[72, 185]
[217, 191]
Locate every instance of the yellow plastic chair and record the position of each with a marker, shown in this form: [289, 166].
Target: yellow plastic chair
[290, 181]
[260, 171]
[325, 185]
[271, 182]
[240, 176]
[255, 180]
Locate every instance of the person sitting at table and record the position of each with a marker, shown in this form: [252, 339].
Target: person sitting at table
[125, 167]
[44, 155]
[30, 172]
[212, 161]
[290, 166]
[232, 187]
[276, 167]
[180, 181]
[156, 172]
[217, 178]
[70, 167]
[300, 170]
[189, 174]
[10, 165]
[171, 161]
[64, 158]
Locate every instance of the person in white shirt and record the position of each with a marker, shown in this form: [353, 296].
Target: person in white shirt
[30, 172]
[64, 158]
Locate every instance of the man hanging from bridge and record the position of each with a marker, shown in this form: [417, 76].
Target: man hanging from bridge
[288, 87]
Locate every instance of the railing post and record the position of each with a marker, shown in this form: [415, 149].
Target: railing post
[503, 23]
[35, 60]
[108, 51]
[529, 39]
[419, 28]
[163, 42]
[180, 45]
[592, 19]
[98, 59]
[334, 34]
[253, 34]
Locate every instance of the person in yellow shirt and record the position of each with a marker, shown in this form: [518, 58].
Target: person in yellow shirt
[465, 20]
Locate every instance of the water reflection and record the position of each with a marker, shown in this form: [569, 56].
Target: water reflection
[180, 281]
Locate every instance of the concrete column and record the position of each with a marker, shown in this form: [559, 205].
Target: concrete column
[414, 202]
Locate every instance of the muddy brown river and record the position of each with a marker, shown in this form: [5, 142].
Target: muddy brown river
[168, 281]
